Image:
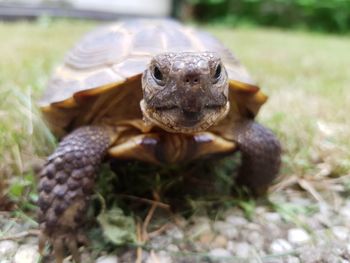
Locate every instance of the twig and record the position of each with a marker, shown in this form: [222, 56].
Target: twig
[31, 232]
[139, 240]
[284, 183]
[304, 184]
[147, 221]
[148, 201]
[149, 216]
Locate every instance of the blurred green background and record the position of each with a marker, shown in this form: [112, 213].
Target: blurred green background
[319, 15]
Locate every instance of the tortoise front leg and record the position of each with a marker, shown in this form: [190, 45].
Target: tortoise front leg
[66, 183]
[261, 156]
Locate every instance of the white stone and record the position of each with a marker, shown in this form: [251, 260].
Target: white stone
[340, 232]
[272, 217]
[7, 248]
[236, 220]
[298, 236]
[161, 257]
[226, 229]
[219, 253]
[201, 227]
[292, 259]
[256, 238]
[107, 259]
[345, 212]
[280, 246]
[27, 254]
[243, 249]
[230, 246]
[252, 227]
[175, 233]
[260, 210]
[173, 248]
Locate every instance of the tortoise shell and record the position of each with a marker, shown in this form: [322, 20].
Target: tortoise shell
[100, 79]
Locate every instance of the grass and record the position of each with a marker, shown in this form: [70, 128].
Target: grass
[305, 74]
[306, 77]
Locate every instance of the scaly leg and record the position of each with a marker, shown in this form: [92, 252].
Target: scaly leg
[261, 156]
[66, 183]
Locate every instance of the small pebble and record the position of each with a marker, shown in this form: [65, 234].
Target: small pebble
[161, 257]
[200, 229]
[175, 233]
[236, 220]
[255, 238]
[298, 236]
[206, 238]
[226, 229]
[7, 248]
[219, 242]
[27, 254]
[345, 212]
[292, 259]
[219, 253]
[260, 210]
[272, 217]
[160, 241]
[107, 259]
[280, 246]
[230, 246]
[172, 248]
[340, 232]
[243, 249]
[252, 227]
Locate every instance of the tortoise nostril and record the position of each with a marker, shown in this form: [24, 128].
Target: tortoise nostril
[192, 79]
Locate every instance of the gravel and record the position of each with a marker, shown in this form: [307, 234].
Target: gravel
[27, 254]
[280, 246]
[242, 249]
[107, 259]
[298, 236]
[268, 236]
[8, 248]
[219, 253]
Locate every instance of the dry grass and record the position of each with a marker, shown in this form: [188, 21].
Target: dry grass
[306, 76]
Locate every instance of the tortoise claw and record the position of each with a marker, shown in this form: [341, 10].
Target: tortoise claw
[73, 248]
[59, 243]
[58, 250]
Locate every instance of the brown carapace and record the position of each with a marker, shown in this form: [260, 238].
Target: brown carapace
[148, 90]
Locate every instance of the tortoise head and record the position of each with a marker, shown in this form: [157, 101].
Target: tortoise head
[185, 92]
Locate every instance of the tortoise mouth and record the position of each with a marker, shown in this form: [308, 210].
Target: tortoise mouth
[175, 119]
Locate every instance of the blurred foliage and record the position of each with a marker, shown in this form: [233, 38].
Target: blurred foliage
[331, 15]
[117, 227]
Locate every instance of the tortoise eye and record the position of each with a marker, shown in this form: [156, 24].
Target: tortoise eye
[217, 72]
[157, 74]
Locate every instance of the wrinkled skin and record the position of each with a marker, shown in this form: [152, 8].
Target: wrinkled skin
[183, 93]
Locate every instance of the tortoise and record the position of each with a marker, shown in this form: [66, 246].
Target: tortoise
[150, 90]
